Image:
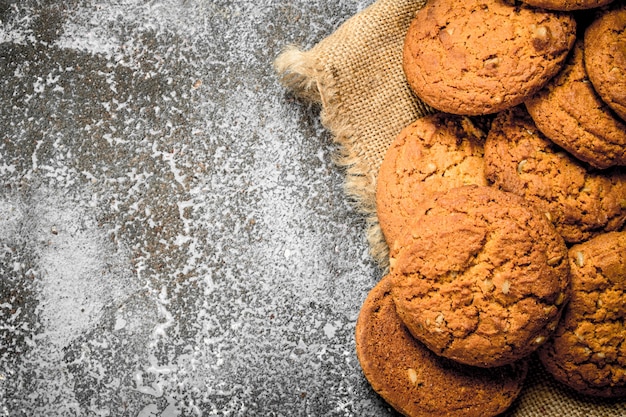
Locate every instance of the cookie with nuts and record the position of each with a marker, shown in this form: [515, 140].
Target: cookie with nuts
[478, 57]
[570, 113]
[580, 201]
[414, 380]
[480, 276]
[605, 57]
[587, 351]
[432, 154]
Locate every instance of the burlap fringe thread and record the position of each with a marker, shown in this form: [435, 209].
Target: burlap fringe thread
[301, 76]
[356, 75]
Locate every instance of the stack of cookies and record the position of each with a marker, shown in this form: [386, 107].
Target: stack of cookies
[504, 210]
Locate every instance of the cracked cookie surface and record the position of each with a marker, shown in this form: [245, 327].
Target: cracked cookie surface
[605, 57]
[481, 56]
[588, 349]
[414, 380]
[570, 113]
[480, 276]
[581, 201]
[432, 154]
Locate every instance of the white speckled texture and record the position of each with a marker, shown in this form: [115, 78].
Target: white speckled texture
[174, 237]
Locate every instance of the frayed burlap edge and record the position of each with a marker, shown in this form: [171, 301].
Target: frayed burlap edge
[314, 75]
[300, 74]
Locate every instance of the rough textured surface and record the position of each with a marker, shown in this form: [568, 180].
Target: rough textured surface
[175, 239]
[587, 351]
[432, 154]
[584, 126]
[480, 276]
[580, 201]
[419, 383]
[605, 57]
[567, 5]
[482, 56]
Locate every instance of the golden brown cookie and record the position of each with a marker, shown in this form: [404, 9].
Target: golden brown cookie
[571, 114]
[588, 349]
[605, 57]
[480, 276]
[580, 201]
[434, 153]
[418, 383]
[477, 57]
[567, 5]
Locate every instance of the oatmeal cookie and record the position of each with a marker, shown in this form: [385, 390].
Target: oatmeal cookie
[480, 276]
[605, 57]
[570, 113]
[434, 153]
[579, 200]
[478, 57]
[588, 349]
[418, 383]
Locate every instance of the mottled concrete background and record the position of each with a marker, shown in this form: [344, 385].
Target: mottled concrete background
[174, 236]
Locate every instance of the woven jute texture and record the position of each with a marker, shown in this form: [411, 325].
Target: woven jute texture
[356, 75]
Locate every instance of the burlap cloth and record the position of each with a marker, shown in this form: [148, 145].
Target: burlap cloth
[356, 75]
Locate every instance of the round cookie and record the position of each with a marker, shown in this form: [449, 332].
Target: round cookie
[418, 383]
[567, 5]
[480, 276]
[605, 58]
[580, 201]
[588, 349]
[477, 57]
[432, 154]
[571, 114]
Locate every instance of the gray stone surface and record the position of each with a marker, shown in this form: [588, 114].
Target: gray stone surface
[174, 236]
